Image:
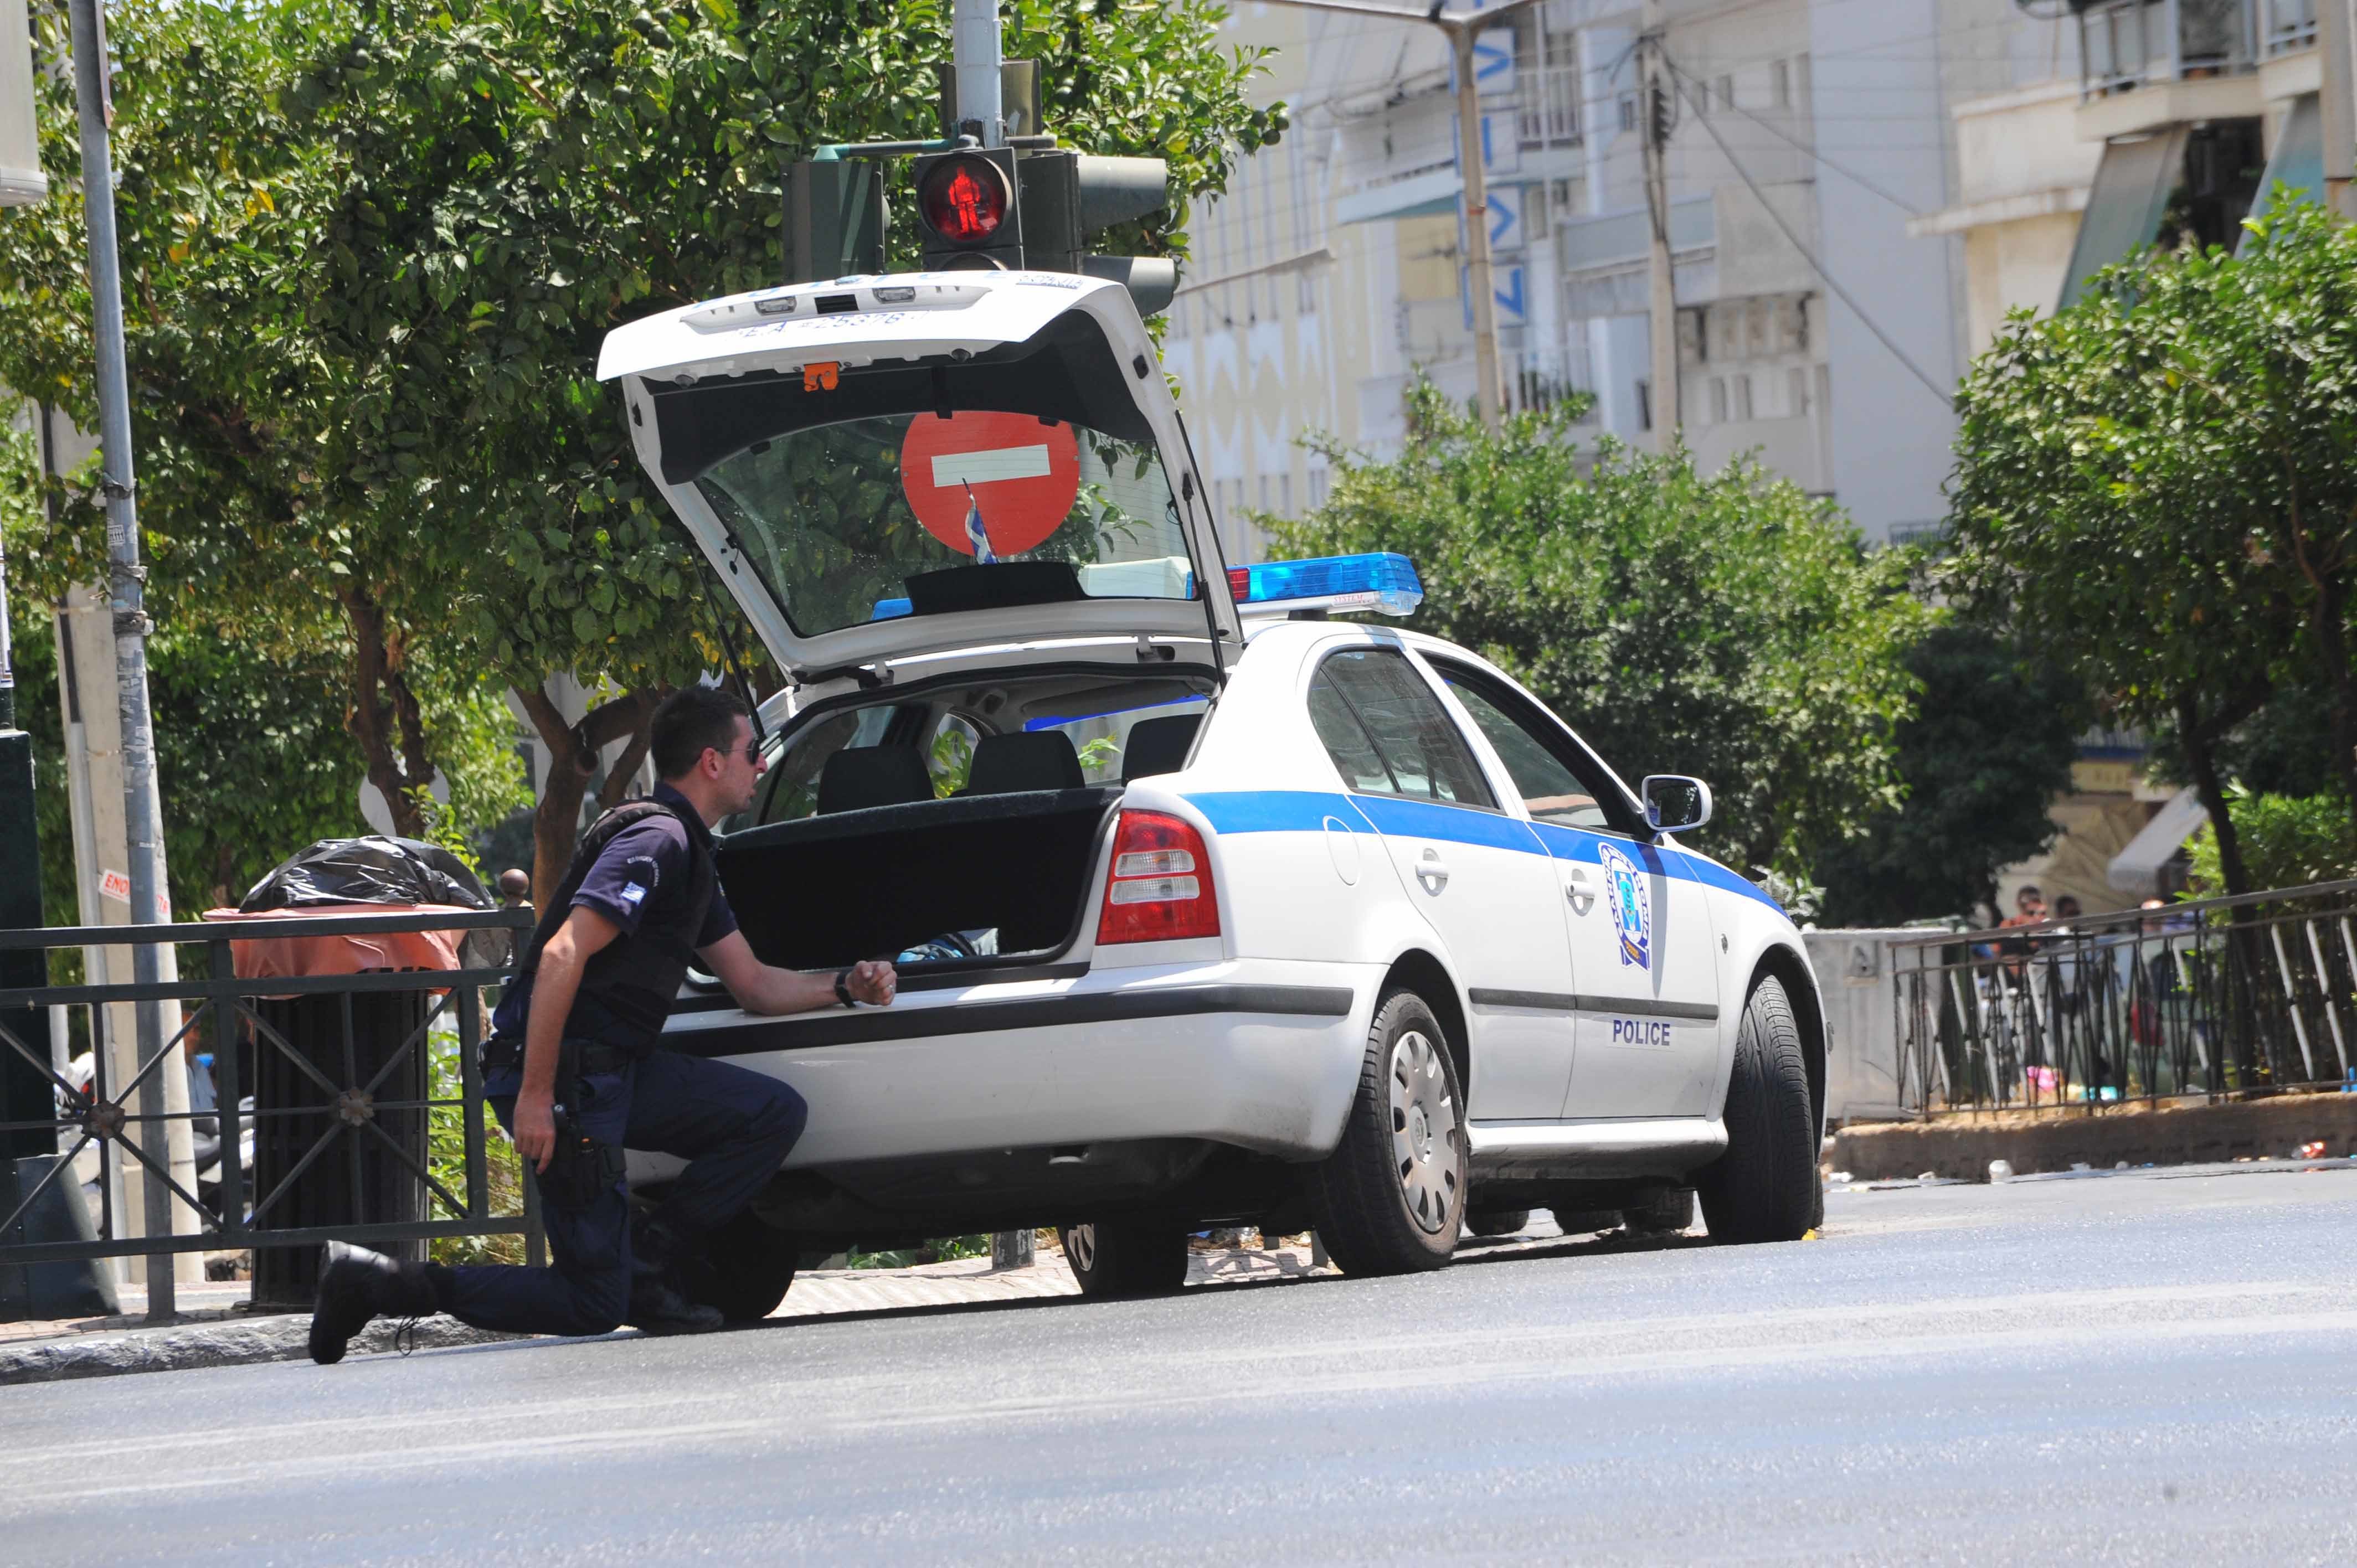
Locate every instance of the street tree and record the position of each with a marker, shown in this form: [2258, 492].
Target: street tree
[1721, 625]
[2157, 486]
[393, 283]
[1987, 749]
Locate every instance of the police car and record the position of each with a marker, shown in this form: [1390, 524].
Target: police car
[1210, 907]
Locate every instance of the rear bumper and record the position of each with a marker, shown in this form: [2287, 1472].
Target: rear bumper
[1263, 1056]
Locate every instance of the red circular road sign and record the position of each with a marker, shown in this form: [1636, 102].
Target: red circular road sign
[1022, 476]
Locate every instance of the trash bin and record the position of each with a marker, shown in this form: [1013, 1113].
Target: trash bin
[347, 1039]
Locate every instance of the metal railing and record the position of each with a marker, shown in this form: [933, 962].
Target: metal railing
[126, 1120]
[2127, 43]
[2220, 997]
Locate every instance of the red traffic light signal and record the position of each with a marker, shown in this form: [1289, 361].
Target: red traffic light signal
[963, 199]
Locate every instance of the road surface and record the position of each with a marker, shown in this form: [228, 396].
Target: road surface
[2154, 1368]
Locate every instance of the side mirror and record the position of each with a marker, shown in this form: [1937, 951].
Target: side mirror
[1673, 802]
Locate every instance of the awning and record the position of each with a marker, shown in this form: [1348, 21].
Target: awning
[2124, 207]
[2136, 868]
[2298, 160]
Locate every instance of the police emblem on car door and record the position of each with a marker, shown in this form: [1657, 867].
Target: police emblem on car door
[1633, 905]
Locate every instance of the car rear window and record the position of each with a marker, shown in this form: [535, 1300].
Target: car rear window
[1388, 734]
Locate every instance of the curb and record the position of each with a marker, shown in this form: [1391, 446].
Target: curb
[1961, 1147]
[210, 1345]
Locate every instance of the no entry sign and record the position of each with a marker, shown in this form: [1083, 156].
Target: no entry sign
[1024, 477]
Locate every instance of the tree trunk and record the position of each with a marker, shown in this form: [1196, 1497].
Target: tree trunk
[572, 762]
[389, 732]
[2199, 744]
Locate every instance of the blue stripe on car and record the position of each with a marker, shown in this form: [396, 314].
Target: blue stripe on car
[1305, 810]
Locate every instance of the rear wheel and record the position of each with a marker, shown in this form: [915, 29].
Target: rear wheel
[1498, 1221]
[1390, 1200]
[1765, 1187]
[1121, 1258]
[743, 1269]
[1670, 1210]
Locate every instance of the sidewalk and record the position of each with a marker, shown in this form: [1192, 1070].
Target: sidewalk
[215, 1329]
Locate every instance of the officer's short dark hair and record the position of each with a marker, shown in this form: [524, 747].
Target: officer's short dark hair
[691, 721]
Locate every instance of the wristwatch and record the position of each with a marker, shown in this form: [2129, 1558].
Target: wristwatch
[842, 991]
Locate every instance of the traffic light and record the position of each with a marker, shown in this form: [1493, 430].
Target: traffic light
[834, 219]
[1067, 196]
[970, 210]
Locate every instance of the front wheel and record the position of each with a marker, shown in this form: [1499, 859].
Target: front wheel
[1390, 1200]
[1765, 1188]
[1119, 1260]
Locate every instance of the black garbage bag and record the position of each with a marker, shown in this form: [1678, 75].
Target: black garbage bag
[372, 870]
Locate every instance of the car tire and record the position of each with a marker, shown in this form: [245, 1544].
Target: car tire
[1765, 1188]
[1390, 1200]
[1670, 1210]
[1122, 1259]
[1498, 1221]
[743, 1268]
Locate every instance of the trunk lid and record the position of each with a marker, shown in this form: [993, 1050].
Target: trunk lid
[886, 466]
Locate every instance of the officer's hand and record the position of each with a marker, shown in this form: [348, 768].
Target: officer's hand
[535, 1129]
[874, 983]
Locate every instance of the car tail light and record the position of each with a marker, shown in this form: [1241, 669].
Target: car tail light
[1160, 889]
[964, 199]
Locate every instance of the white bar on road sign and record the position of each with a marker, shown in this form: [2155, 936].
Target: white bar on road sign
[953, 468]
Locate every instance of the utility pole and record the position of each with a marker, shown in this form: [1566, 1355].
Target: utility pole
[1461, 32]
[1477, 227]
[2336, 35]
[128, 601]
[1662, 314]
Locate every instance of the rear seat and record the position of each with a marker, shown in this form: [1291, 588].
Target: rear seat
[861, 776]
[1158, 745]
[1029, 759]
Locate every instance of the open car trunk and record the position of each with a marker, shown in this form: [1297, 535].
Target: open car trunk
[1011, 873]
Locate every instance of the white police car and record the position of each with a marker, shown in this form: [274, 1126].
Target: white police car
[1211, 909]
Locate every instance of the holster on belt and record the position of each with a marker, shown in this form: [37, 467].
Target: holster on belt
[582, 1168]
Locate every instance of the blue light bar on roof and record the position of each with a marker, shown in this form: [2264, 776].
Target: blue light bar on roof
[1385, 582]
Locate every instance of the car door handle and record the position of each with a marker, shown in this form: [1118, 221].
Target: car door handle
[1582, 896]
[1432, 871]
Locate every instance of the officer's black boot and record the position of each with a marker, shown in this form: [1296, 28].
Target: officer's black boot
[356, 1284]
[657, 1304]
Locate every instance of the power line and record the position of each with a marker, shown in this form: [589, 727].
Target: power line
[1851, 175]
[1817, 266]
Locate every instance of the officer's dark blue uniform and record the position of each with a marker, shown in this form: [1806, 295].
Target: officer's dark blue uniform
[654, 880]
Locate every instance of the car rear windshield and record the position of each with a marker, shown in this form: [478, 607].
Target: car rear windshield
[918, 513]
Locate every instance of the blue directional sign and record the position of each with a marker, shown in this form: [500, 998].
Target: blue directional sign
[1493, 62]
[1507, 293]
[1502, 143]
[1505, 218]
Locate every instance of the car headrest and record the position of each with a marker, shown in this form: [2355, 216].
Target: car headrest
[860, 776]
[1158, 745]
[1030, 759]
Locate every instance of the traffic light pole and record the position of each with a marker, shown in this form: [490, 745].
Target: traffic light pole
[975, 40]
[1461, 32]
[141, 810]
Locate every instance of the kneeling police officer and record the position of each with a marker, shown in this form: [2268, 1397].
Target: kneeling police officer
[576, 1070]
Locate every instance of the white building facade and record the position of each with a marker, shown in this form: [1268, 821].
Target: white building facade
[1859, 190]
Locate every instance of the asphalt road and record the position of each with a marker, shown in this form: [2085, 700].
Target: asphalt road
[2156, 1367]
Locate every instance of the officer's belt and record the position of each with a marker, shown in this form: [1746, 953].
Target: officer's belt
[589, 1058]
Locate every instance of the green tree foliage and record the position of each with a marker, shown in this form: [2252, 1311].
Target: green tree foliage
[1987, 749]
[372, 255]
[2287, 841]
[2159, 485]
[1725, 626]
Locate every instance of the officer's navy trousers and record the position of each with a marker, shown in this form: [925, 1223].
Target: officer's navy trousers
[732, 1126]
